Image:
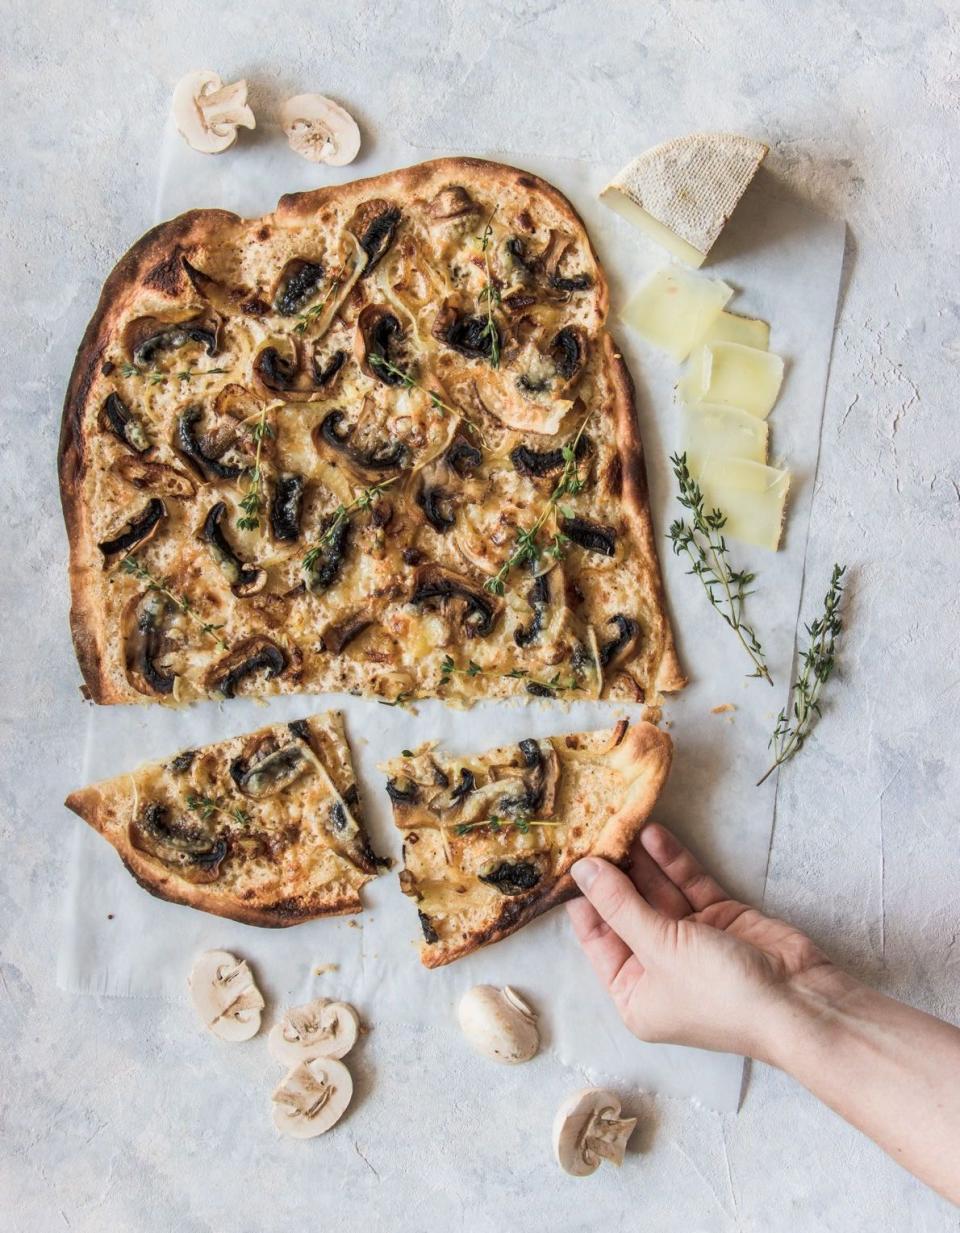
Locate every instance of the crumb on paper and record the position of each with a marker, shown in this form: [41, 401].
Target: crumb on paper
[352, 924]
[326, 967]
[723, 709]
[109, 916]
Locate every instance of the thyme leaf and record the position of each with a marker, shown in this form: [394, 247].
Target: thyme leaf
[252, 503]
[137, 569]
[383, 365]
[304, 319]
[207, 806]
[363, 500]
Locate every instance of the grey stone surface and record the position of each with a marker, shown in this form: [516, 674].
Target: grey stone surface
[122, 1116]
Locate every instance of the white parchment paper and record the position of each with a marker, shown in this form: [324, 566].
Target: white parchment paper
[785, 260]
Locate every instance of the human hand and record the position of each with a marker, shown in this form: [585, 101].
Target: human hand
[683, 961]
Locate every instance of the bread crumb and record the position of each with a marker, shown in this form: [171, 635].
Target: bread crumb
[326, 967]
[723, 708]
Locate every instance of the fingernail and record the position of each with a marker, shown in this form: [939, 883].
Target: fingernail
[584, 872]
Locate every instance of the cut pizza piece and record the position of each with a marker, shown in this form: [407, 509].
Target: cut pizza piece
[488, 841]
[264, 828]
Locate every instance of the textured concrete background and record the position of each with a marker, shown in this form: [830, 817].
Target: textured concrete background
[121, 1116]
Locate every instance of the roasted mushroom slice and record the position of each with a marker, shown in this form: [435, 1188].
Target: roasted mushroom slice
[463, 456]
[540, 464]
[297, 285]
[336, 638]
[154, 476]
[245, 579]
[435, 585]
[434, 496]
[324, 373]
[137, 531]
[188, 444]
[253, 655]
[145, 646]
[374, 223]
[147, 337]
[124, 424]
[539, 597]
[451, 202]
[591, 536]
[226, 300]
[624, 645]
[510, 877]
[285, 507]
[333, 438]
[187, 847]
[568, 352]
[270, 770]
[378, 344]
[476, 337]
[276, 373]
[323, 563]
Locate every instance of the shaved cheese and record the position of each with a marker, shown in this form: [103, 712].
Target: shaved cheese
[682, 192]
[709, 433]
[731, 375]
[731, 327]
[751, 495]
[674, 309]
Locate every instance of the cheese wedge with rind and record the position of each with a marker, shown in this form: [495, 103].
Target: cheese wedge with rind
[732, 375]
[731, 327]
[681, 193]
[751, 495]
[674, 309]
[708, 433]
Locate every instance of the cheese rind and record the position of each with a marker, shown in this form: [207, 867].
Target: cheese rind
[708, 433]
[732, 375]
[731, 327]
[674, 309]
[751, 495]
[689, 187]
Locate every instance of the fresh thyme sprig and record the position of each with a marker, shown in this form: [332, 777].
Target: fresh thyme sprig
[491, 294]
[207, 806]
[522, 825]
[382, 364]
[449, 669]
[252, 503]
[134, 567]
[793, 726]
[155, 377]
[701, 540]
[526, 548]
[364, 500]
[304, 319]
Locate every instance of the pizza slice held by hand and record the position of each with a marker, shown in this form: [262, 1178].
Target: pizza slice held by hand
[264, 828]
[488, 841]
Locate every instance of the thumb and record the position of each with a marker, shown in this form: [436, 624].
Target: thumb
[619, 902]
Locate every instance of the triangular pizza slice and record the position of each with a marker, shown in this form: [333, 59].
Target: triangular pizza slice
[488, 840]
[264, 828]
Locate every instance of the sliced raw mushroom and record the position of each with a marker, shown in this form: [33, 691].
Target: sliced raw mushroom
[298, 284]
[374, 223]
[186, 847]
[285, 507]
[451, 202]
[319, 130]
[140, 528]
[188, 443]
[588, 1130]
[148, 337]
[207, 113]
[592, 536]
[270, 770]
[333, 438]
[146, 643]
[379, 342]
[124, 424]
[312, 1098]
[321, 1028]
[155, 476]
[226, 995]
[499, 1024]
[435, 585]
[467, 334]
[248, 658]
[245, 579]
[624, 645]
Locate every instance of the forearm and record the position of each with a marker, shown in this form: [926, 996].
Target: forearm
[890, 1070]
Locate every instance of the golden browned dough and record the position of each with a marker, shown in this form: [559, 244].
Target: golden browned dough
[300, 452]
[264, 828]
[489, 840]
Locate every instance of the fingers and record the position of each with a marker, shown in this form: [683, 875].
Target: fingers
[607, 952]
[681, 867]
[618, 903]
[656, 887]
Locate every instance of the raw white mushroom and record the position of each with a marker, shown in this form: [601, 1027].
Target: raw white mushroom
[226, 996]
[588, 1129]
[312, 1098]
[318, 129]
[499, 1023]
[321, 1028]
[207, 113]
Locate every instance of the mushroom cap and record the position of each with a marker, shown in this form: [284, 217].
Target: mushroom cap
[588, 1129]
[499, 1024]
[321, 1028]
[311, 1098]
[207, 113]
[319, 130]
[225, 995]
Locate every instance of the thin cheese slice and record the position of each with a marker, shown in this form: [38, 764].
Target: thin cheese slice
[751, 495]
[674, 309]
[731, 327]
[682, 193]
[709, 433]
[731, 375]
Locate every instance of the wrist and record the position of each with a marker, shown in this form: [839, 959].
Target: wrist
[805, 1014]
